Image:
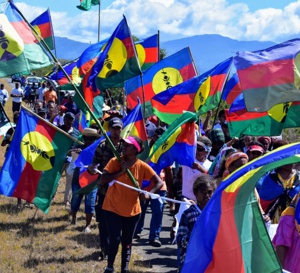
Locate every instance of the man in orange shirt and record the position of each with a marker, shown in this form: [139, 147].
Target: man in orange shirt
[50, 95]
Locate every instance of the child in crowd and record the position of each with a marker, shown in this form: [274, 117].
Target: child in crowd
[203, 188]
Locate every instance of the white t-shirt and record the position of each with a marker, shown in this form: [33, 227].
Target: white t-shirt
[41, 92]
[3, 95]
[189, 176]
[16, 91]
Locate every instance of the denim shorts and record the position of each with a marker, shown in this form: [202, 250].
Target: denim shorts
[89, 200]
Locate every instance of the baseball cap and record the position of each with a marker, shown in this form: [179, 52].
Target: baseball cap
[114, 122]
[69, 115]
[131, 140]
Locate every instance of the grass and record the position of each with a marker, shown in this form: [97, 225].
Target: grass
[32, 241]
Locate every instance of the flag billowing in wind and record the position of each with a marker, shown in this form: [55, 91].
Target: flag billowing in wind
[89, 56]
[134, 125]
[177, 143]
[43, 26]
[270, 76]
[34, 160]
[199, 94]
[87, 4]
[148, 51]
[89, 92]
[57, 75]
[269, 123]
[118, 62]
[161, 76]
[230, 232]
[20, 50]
[232, 89]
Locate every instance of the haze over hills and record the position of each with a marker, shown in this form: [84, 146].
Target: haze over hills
[207, 50]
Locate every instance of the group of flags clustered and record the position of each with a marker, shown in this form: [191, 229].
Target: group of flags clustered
[172, 90]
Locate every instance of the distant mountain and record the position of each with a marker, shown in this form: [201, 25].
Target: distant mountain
[68, 49]
[210, 49]
[207, 50]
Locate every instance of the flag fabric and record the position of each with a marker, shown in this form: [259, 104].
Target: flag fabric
[176, 144]
[199, 94]
[269, 123]
[92, 97]
[34, 160]
[58, 75]
[84, 121]
[297, 214]
[89, 56]
[230, 232]
[21, 51]
[43, 26]
[118, 62]
[270, 76]
[89, 92]
[87, 4]
[161, 76]
[232, 89]
[133, 124]
[148, 51]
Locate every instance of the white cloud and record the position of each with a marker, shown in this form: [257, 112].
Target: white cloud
[177, 19]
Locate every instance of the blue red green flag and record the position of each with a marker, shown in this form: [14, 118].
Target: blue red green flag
[118, 62]
[43, 26]
[199, 94]
[21, 51]
[230, 232]
[269, 76]
[176, 144]
[148, 51]
[60, 78]
[269, 123]
[33, 163]
[161, 76]
[232, 89]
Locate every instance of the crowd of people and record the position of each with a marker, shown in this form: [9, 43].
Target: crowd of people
[120, 212]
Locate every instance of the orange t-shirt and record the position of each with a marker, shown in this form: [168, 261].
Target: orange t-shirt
[120, 200]
[50, 95]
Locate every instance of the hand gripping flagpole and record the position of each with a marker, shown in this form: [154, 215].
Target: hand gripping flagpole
[115, 152]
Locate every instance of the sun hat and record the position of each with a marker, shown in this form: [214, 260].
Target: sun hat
[90, 132]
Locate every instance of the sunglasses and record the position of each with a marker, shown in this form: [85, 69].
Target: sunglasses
[200, 149]
[88, 138]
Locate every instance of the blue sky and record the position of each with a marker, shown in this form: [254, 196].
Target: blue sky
[263, 20]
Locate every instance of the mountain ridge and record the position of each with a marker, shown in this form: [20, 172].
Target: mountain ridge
[207, 50]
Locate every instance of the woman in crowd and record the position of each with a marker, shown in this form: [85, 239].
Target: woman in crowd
[287, 238]
[122, 205]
